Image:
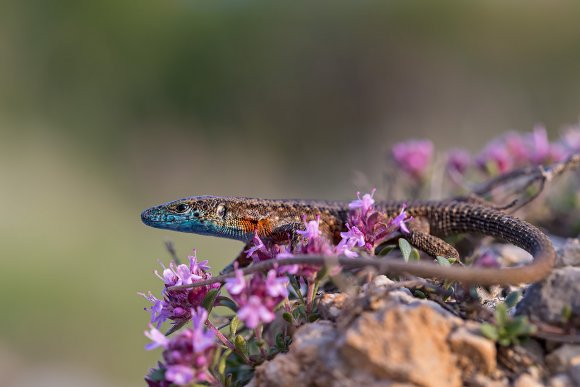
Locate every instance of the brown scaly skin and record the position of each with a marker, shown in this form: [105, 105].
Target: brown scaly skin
[277, 220]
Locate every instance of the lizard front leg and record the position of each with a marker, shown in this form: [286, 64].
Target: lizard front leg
[280, 235]
[420, 238]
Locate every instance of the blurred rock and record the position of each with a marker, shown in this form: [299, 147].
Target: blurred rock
[563, 358]
[475, 353]
[330, 305]
[560, 380]
[569, 254]
[547, 300]
[527, 380]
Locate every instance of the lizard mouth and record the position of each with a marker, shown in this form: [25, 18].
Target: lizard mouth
[152, 218]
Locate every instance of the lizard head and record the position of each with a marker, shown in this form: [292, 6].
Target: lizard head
[199, 214]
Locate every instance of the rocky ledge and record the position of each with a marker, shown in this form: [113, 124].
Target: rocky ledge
[383, 335]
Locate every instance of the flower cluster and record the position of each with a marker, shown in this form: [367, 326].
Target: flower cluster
[260, 251]
[413, 157]
[258, 297]
[502, 154]
[176, 305]
[186, 356]
[514, 150]
[368, 228]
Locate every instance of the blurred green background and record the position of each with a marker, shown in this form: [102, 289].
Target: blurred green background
[109, 107]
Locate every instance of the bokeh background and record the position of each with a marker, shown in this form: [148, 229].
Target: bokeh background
[108, 107]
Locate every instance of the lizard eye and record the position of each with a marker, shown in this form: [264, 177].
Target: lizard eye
[181, 208]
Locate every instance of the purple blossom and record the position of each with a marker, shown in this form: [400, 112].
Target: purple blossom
[177, 304]
[276, 286]
[413, 157]
[488, 259]
[517, 146]
[540, 146]
[458, 160]
[258, 299]
[237, 284]
[312, 229]
[353, 237]
[571, 138]
[365, 204]
[254, 312]
[399, 221]
[495, 158]
[369, 228]
[260, 251]
[257, 245]
[186, 356]
[314, 244]
[202, 339]
[179, 374]
[157, 338]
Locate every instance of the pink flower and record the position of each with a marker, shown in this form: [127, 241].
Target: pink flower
[179, 374]
[186, 356]
[571, 138]
[365, 203]
[158, 339]
[177, 304]
[254, 312]
[236, 285]
[413, 157]
[458, 160]
[353, 237]
[276, 286]
[312, 229]
[495, 158]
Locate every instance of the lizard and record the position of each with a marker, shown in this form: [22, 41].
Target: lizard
[277, 220]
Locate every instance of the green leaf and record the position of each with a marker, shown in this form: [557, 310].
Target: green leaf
[227, 303]
[321, 273]
[234, 325]
[288, 317]
[415, 256]
[566, 313]
[386, 249]
[280, 342]
[241, 344]
[419, 294]
[209, 300]
[501, 315]
[443, 261]
[221, 368]
[176, 327]
[512, 299]
[406, 248]
[157, 374]
[489, 331]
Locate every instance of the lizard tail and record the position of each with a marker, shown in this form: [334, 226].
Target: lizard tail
[460, 217]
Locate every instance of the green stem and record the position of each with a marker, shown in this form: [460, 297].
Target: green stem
[221, 337]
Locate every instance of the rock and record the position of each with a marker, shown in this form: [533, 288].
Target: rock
[563, 358]
[331, 304]
[310, 357]
[402, 344]
[574, 373]
[527, 380]
[475, 353]
[560, 380]
[397, 345]
[569, 254]
[547, 300]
